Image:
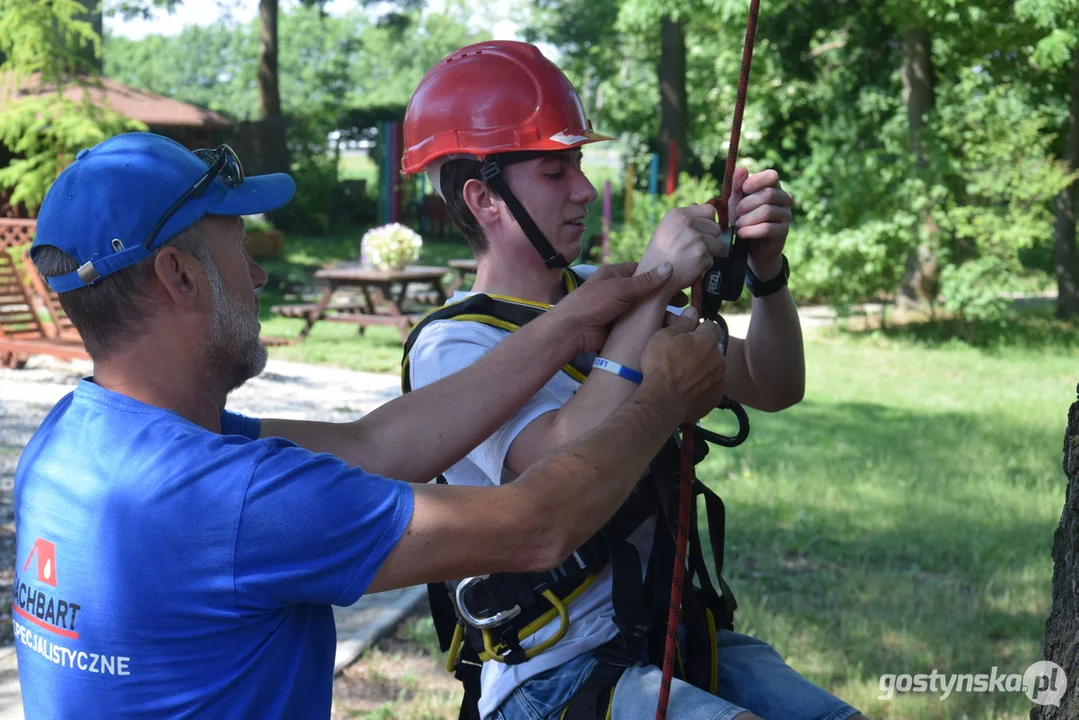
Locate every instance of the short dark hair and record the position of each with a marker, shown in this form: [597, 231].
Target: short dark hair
[452, 177]
[114, 310]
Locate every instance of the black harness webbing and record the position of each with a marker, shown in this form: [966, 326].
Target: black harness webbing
[640, 603]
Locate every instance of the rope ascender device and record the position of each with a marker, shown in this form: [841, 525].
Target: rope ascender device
[723, 281]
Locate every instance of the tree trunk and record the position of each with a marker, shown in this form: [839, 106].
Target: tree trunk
[1062, 627]
[269, 94]
[918, 89]
[92, 15]
[275, 150]
[921, 279]
[672, 93]
[1065, 253]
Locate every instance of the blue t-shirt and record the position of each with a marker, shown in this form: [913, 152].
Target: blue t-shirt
[167, 571]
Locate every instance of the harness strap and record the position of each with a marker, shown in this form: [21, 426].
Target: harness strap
[594, 699]
[500, 311]
[717, 519]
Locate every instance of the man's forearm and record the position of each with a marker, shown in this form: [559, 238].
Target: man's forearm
[535, 523]
[600, 395]
[419, 435]
[581, 486]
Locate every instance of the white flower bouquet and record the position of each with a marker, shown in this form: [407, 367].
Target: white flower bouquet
[390, 247]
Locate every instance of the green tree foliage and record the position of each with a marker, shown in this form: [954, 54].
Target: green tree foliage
[328, 64]
[334, 71]
[827, 109]
[1057, 55]
[47, 45]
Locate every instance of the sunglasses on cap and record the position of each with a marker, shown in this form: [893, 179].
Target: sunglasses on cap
[222, 162]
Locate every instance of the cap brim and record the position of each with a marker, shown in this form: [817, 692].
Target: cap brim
[258, 194]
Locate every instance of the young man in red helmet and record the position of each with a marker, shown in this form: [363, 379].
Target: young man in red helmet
[498, 129]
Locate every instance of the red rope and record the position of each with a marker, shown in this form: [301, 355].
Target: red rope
[685, 495]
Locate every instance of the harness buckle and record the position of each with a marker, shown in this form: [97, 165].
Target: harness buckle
[481, 623]
[490, 169]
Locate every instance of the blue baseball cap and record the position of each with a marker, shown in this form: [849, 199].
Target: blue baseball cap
[106, 204]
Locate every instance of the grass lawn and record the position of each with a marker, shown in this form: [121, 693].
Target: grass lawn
[898, 520]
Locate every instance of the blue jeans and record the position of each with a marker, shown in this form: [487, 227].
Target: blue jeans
[752, 677]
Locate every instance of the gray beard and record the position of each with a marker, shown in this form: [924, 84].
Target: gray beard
[234, 353]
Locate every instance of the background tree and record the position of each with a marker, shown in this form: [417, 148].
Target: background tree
[333, 71]
[51, 45]
[276, 152]
[921, 142]
[1057, 54]
[1062, 628]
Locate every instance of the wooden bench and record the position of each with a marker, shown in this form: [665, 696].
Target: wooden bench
[60, 325]
[303, 311]
[22, 333]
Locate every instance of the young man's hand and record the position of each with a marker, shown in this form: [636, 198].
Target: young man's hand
[760, 210]
[687, 237]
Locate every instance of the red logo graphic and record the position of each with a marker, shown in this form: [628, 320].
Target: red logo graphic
[46, 561]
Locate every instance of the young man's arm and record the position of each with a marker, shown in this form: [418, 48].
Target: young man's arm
[766, 370]
[534, 523]
[456, 414]
[686, 237]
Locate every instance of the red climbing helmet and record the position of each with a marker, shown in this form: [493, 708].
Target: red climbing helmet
[493, 97]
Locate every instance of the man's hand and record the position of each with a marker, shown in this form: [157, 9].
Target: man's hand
[611, 291]
[689, 238]
[760, 210]
[684, 361]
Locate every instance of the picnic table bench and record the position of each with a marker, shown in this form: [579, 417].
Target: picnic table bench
[378, 297]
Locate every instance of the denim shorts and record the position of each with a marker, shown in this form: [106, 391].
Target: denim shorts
[752, 678]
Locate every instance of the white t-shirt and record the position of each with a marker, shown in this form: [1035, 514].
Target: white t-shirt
[445, 347]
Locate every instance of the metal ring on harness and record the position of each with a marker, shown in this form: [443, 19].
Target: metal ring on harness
[491, 652]
[499, 618]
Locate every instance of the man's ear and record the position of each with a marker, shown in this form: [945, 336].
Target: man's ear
[481, 201]
[179, 274]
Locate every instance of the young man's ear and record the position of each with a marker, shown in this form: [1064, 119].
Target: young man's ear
[481, 201]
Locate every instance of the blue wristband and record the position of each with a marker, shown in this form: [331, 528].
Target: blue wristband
[619, 370]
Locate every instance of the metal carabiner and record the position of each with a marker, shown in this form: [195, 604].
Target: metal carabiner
[728, 440]
[726, 403]
[484, 623]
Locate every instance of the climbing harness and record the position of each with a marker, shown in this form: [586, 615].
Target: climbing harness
[490, 618]
[708, 294]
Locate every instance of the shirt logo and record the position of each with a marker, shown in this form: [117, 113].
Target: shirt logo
[46, 561]
[44, 607]
[38, 604]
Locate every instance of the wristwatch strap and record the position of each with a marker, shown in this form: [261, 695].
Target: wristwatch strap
[761, 288]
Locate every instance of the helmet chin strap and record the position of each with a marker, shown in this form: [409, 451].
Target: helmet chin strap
[492, 174]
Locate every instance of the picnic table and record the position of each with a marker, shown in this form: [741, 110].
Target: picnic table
[378, 297]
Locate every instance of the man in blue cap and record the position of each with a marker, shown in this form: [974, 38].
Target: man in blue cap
[177, 559]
